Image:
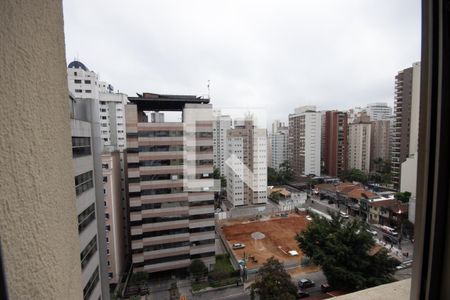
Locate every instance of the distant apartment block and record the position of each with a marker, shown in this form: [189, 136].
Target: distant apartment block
[279, 147]
[90, 221]
[221, 124]
[378, 111]
[335, 150]
[407, 85]
[171, 199]
[85, 84]
[114, 217]
[359, 141]
[246, 164]
[380, 141]
[304, 146]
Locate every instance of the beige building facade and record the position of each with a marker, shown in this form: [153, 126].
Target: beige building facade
[380, 141]
[359, 141]
[38, 215]
[114, 216]
[171, 199]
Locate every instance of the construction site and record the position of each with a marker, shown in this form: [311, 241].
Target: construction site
[265, 237]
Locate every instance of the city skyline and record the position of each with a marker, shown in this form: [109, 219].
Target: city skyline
[253, 55]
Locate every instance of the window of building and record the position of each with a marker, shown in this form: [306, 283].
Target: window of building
[81, 146]
[77, 81]
[78, 91]
[88, 252]
[83, 182]
[105, 179]
[91, 284]
[87, 81]
[86, 217]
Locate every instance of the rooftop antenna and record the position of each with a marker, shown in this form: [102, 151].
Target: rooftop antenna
[209, 91]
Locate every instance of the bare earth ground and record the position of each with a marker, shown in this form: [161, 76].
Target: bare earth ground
[279, 232]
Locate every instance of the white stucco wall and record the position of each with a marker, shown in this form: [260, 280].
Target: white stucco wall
[39, 235]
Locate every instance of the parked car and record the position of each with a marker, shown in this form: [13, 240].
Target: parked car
[305, 283]
[302, 294]
[372, 232]
[390, 239]
[344, 215]
[404, 265]
[325, 288]
[389, 230]
[238, 246]
[308, 218]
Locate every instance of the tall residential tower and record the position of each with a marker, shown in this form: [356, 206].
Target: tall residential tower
[304, 146]
[170, 166]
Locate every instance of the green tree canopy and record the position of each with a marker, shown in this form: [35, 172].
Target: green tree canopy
[403, 196]
[198, 268]
[282, 176]
[354, 175]
[273, 282]
[346, 253]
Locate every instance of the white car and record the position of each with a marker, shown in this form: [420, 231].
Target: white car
[308, 218]
[372, 232]
[238, 246]
[344, 215]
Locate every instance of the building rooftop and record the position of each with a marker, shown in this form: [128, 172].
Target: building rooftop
[77, 65]
[152, 101]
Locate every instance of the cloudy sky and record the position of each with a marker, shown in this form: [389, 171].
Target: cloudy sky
[272, 55]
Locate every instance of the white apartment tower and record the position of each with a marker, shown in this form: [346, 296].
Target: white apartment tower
[378, 111]
[89, 202]
[304, 145]
[85, 84]
[246, 164]
[221, 124]
[359, 139]
[279, 147]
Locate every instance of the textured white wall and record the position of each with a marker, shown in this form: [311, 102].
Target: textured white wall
[38, 229]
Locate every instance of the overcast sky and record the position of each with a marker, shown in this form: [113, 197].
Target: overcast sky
[275, 55]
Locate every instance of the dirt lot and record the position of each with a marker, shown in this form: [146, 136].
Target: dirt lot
[279, 232]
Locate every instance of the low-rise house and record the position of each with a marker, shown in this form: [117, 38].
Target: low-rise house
[287, 198]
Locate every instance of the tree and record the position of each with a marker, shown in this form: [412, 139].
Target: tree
[273, 282]
[285, 172]
[272, 177]
[282, 176]
[217, 175]
[346, 253]
[198, 269]
[403, 196]
[354, 175]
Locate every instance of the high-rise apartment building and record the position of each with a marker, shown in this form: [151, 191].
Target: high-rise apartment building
[279, 147]
[335, 150]
[359, 139]
[353, 113]
[246, 164]
[109, 113]
[89, 200]
[304, 146]
[221, 124]
[85, 84]
[407, 84]
[169, 167]
[116, 231]
[378, 111]
[408, 174]
[380, 141]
